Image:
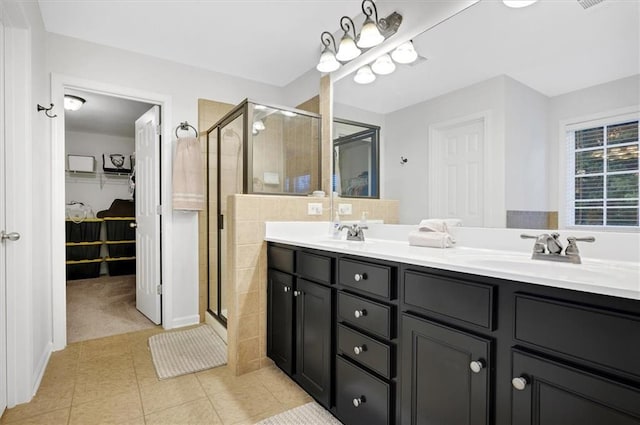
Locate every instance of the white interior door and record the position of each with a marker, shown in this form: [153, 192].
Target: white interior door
[457, 185]
[3, 262]
[147, 173]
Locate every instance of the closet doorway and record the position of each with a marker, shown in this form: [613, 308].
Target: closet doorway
[111, 175]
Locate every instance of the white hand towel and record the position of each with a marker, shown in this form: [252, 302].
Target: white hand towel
[431, 239]
[439, 224]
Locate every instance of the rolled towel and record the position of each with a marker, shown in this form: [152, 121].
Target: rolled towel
[431, 239]
[439, 224]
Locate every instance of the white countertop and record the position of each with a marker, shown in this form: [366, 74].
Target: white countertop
[388, 242]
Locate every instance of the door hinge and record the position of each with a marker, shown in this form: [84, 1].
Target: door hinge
[159, 289]
[159, 209]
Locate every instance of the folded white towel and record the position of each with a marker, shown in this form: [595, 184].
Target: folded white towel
[439, 224]
[431, 239]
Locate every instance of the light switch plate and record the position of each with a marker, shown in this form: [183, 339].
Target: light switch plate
[314, 208]
[345, 209]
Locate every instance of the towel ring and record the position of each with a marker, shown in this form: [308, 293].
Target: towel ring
[185, 126]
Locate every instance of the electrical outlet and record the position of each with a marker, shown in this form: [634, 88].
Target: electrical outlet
[314, 208]
[345, 209]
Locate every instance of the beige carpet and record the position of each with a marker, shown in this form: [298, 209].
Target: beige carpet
[191, 350]
[103, 306]
[307, 414]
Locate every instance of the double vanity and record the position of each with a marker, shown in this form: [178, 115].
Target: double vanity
[380, 332]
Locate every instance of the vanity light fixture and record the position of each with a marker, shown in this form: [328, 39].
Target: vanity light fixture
[405, 53]
[347, 49]
[383, 65]
[328, 61]
[374, 31]
[288, 113]
[364, 75]
[73, 103]
[518, 3]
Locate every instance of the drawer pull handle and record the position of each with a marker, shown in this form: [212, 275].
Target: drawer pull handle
[359, 349]
[297, 293]
[360, 276]
[358, 401]
[519, 383]
[360, 313]
[287, 288]
[476, 366]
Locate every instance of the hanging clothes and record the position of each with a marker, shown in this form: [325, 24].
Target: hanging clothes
[188, 176]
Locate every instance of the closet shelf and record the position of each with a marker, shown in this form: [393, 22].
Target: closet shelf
[97, 177]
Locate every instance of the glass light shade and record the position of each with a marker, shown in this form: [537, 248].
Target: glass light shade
[347, 49]
[73, 103]
[328, 62]
[383, 65]
[518, 3]
[369, 35]
[405, 53]
[364, 75]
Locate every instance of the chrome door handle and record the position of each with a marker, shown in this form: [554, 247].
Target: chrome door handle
[133, 224]
[13, 236]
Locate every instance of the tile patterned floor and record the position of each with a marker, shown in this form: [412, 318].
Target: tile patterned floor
[112, 381]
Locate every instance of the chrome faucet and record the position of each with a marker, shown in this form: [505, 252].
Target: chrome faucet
[354, 232]
[549, 247]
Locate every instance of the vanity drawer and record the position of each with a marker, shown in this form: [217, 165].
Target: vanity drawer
[361, 398]
[371, 316]
[366, 277]
[280, 258]
[467, 301]
[315, 267]
[367, 351]
[599, 336]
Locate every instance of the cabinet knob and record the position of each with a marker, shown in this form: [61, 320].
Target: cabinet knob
[476, 366]
[359, 349]
[133, 224]
[360, 276]
[358, 401]
[287, 288]
[519, 383]
[360, 313]
[297, 293]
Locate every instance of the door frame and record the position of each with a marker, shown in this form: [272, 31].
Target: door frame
[494, 209]
[60, 82]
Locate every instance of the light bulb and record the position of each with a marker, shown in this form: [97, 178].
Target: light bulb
[369, 35]
[328, 62]
[347, 49]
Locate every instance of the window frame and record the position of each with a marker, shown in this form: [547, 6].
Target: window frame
[566, 165]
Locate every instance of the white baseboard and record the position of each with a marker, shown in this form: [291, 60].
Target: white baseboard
[181, 322]
[41, 367]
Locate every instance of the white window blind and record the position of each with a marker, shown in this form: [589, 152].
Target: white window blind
[603, 177]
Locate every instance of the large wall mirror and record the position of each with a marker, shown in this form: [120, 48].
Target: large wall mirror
[487, 117]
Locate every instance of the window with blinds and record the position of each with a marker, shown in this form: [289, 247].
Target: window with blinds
[603, 174]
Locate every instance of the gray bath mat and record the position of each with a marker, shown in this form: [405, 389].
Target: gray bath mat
[188, 351]
[307, 414]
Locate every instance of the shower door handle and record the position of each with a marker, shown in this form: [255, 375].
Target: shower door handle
[220, 221]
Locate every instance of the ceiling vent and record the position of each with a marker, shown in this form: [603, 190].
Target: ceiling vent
[586, 4]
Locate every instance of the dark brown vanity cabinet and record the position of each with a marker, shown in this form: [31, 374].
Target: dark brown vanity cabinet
[299, 318]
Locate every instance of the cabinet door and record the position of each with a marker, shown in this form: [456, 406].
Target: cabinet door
[280, 320]
[438, 383]
[550, 393]
[313, 339]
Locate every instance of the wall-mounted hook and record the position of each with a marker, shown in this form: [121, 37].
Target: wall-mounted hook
[403, 160]
[46, 110]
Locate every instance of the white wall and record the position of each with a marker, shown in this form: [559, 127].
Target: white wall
[184, 84]
[98, 190]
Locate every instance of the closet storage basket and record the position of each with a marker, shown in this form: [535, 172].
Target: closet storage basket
[83, 250]
[83, 269]
[119, 229]
[87, 230]
[121, 266]
[119, 249]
